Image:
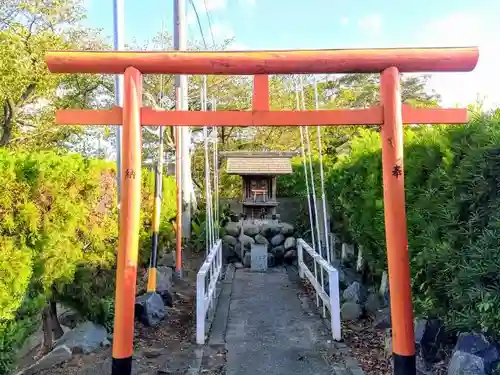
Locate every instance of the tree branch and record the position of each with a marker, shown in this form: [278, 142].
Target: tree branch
[26, 94]
[7, 124]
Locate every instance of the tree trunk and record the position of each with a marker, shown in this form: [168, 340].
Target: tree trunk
[57, 330]
[47, 333]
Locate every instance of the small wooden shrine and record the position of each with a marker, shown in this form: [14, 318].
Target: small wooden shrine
[258, 171]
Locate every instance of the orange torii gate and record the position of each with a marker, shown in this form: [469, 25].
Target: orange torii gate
[390, 115]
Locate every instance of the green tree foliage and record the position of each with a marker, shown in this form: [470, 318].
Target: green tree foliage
[29, 94]
[451, 180]
[58, 235]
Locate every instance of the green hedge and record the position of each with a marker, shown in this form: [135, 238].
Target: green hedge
[452, 180]
[58, 235]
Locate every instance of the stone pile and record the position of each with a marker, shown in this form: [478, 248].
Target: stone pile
[277, 236]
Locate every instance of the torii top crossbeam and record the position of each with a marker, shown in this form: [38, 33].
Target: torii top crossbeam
[462, 59]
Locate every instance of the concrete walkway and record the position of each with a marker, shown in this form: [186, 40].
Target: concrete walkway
[270, 332]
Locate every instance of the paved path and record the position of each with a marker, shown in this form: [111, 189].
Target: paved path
[269, 331]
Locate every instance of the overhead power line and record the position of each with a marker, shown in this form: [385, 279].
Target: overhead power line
[199, 23]
[209, 22]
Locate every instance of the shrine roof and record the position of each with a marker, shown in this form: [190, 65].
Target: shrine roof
[259, 154]
[259, 165]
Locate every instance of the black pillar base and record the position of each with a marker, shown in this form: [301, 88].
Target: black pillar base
[121, 366]
[404, 364]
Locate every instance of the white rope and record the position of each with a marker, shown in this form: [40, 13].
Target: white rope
[313, 188]
[306, 174]
[209, 235]
[216, 176]
[304, 164]
[322, 174]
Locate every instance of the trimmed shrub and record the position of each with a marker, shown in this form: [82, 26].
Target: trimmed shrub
[452, 181]
[58, 238]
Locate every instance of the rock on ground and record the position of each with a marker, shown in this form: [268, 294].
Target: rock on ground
[351, 311]
[463, 363]
[430, 338]
[251, 230]
[246, 241]
[384, 288]
[70, 318]
[233, 229]
[149, 309]
[260, 239]
[163, 279]
[373, 304]
[228, 251]
[348, 255]
[347, 276]
[230, 240]
[57, 356]
[382, 319]
[36, 339]
[355, 293]
[85, 338]
[277, 240]
[270, 230]
[290, 243]
[388, 342]
[287, 229]
[473, 355]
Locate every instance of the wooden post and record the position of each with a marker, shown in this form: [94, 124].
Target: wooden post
[403, 337]
[273, 194]
[126, 271]
[273, 188]
[153, 261]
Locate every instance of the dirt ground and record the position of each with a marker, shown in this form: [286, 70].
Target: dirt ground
[167, 349]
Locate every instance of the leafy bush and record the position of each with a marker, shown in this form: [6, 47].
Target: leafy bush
[58, 235]
[294, 185]
[452, 177]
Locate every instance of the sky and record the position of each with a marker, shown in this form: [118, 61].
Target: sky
[311, 24]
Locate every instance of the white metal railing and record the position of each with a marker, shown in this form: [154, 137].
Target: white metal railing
[206, 289]
[331, 298]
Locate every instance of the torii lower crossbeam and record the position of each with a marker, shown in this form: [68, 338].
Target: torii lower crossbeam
[390, 115]
[340, 117]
